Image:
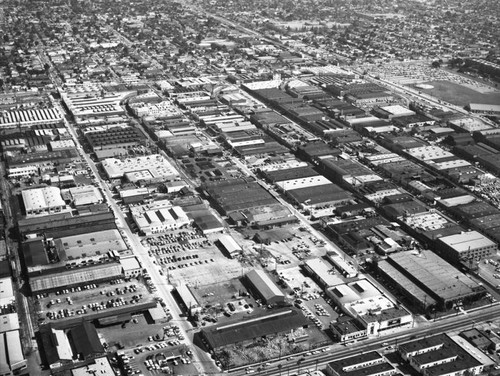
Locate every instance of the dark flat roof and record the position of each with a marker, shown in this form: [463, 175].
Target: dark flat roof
[434, 274]
[239, 330]
[320, 194]
[447, 348]
[339, 365]
[291, 173]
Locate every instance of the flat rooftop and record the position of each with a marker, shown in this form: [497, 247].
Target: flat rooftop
[467, 241]
[437, 275]
[90, 244]
[275, 321]
[340, 365]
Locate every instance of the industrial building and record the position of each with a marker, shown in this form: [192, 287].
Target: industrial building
[365, 364]
[63, 346]
[148, 169]
[44, 200]
[484, 109]
[345, 268]
[322, 273]
[90, 102]
[28, 118]
[478, 338]
[81, 274]
[229, 246]
[116, 137]
[206, 222]
[12, 359]
[134, 196]
[131, 266]
[323, 196]
[67, 224]
[247, 202]
[428, 280]
[347, 330]
[159, 217]
[391, 112]
[97, 366]
[228, 195]
[441, 355]
[83, 195]
[91, 244]
[373, 310]
[466, 246]
[7, 296]
[260, 283]
[187, 297]
[251, 328]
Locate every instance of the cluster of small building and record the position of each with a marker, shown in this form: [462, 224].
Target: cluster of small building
[438, 355]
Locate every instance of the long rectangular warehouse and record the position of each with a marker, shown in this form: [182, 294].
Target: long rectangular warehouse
[265, 287]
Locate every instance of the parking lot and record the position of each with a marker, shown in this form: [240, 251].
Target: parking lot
[489, 270]
[288, 247]
[157, 358]
[90, 299]
[192, 258]
[309, 297]
[224, 301]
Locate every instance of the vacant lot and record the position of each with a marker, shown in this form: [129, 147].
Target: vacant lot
[271, 347]
[458, 94]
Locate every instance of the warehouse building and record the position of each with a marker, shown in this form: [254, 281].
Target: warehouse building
[28, 118]
[85, 103]
[7, 296]
[149, 169]
[67, 224]
[8, 322]
[131, 267]
[187, 297]
[465, 246]
[97, 366]
[79, 275]
[251, 328]
[440, 355]
[116, 137]
[346, 268]
[62, 346]
[229, 246]
[12, 359]
[365, 364]
[478, 338]
[264, 287]
[206, 222]
[83, 195]
[247, 202]
[44, 200]
[159, 217]
[322, 273]
[134, 196]
[428, 280]
[319, 197]
[91, 244]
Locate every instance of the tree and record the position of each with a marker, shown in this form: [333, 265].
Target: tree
[436, 64]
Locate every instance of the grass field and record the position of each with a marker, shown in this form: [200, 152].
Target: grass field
[458, 94]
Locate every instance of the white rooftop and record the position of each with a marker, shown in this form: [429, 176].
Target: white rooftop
[42, 198]
[467, 241]
[130, 263]
[152, 166]
[398, 110]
